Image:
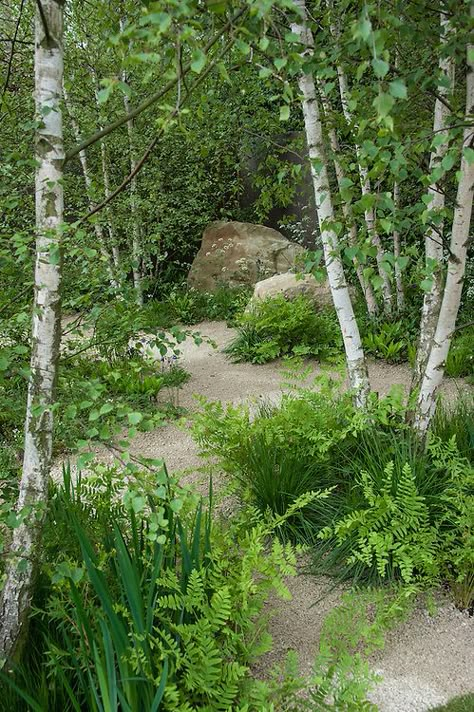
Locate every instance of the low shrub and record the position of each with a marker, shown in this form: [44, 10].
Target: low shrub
[276, 327]
[387, 341]
[396, 511]
[460, 361]
[189, 306]
[456, 420]
[148, 604]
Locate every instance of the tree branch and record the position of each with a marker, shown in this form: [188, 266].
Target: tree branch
[151, 99]
[152, 145]
[12, 49]
[43, 20]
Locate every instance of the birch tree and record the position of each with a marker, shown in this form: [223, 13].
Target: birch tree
[397, 253]
[347, 212]
[446, 322]
[434, 256]
[99, 232]
[365, 184]
[356, 366]
[33, 488]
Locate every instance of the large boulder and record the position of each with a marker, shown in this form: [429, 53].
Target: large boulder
[291, 286]
[235, 254]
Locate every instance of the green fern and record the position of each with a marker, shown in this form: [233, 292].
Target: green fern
[393, 533]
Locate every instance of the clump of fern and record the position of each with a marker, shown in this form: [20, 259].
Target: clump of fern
[391, 535]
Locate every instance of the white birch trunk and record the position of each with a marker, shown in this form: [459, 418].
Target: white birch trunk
[434, 370]
[397, 251]
[99, 233]
[434, 238]
[33, 490]
[356, 365]
[366, 189]
[365, 285]
[106, 181]
[137, 256]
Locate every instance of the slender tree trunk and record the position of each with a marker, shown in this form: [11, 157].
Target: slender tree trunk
[137, 257]
[106, 181]
[397, 250]
[434, 237]
[365, 285]
[434, 370]
[99, 233]
[366, 189]
[33, 490]
[356, 365]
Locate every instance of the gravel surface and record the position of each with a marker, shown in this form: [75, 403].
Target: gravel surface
[427, 660]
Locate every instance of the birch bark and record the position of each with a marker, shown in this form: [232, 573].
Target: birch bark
[365, 285]
[33, 489]
[366, 189]
[397, 251]
[434, 370]
[434, 237]
[356, 365]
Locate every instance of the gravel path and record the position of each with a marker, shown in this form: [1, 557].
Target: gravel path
[428, 659]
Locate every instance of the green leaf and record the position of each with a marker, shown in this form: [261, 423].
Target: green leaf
[265, 72]
[469, 155]
[398, 89]
[383, 104]
[280, 62]
[426, 284]
[135, 418]
[448, 161]
[380, 67]
[363, 28]
[198, 61]
[403, 262]
[284, 112]
[84, 459]
[106, 408]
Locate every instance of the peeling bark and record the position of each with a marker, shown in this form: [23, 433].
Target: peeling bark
[33, 489]
[446, 323]
[434, 238]
[356, 364]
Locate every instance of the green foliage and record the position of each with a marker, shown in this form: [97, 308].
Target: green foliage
[388, 342]
[277, 327]
[460, 361]
[189, 306]
[392, 535]
[465, 703]
[456, 420]
[147, 600]
[395, 511]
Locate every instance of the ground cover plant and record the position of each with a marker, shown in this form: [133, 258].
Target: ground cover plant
[277, 327]
[396, 511]
[145, 600]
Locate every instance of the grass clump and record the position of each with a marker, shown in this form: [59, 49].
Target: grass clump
[277, 327]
